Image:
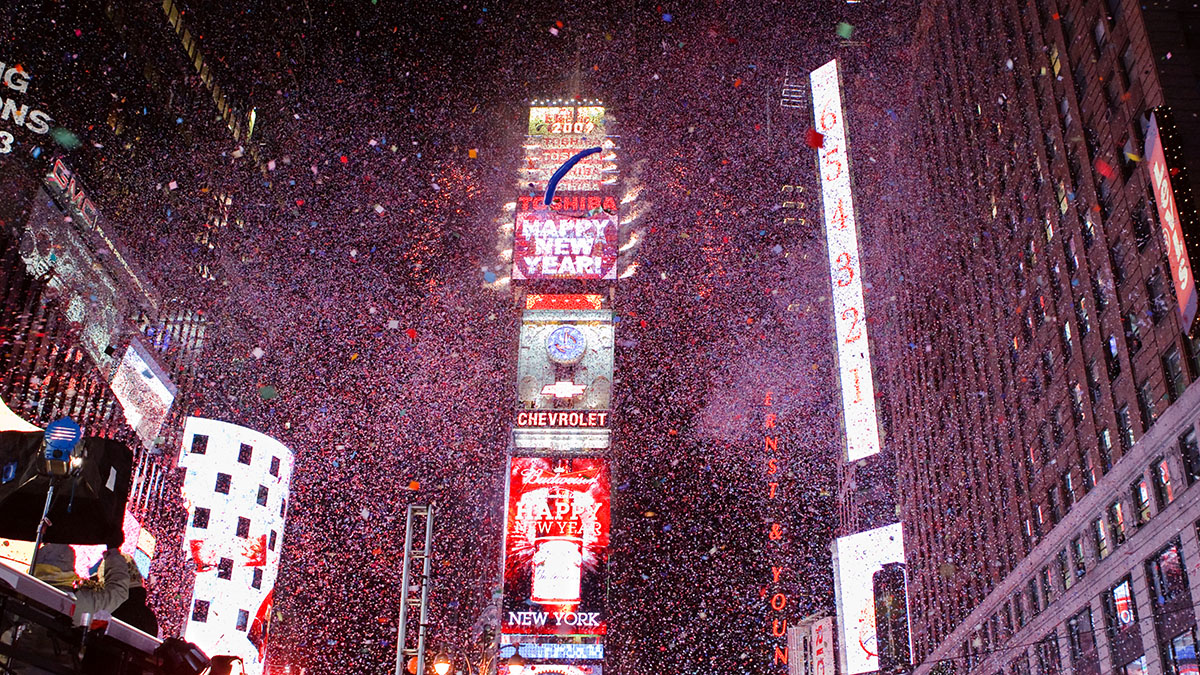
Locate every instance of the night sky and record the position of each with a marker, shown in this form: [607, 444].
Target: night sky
[377, 103]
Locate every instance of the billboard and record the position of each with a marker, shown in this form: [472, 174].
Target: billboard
[856, 559]
[1172, 229]
[549, 244]
[845, 275]
[236, 492]
[556, 546]
[820, 655]
[144, 392]
[565, 362]
[550, 669]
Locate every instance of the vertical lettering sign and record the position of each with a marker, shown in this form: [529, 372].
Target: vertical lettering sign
[776, 544]
[841, 233]
[821, 643]
[1168, 216]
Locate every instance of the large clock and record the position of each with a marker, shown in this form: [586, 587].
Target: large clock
[566, 345]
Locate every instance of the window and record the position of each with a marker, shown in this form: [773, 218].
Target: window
[1093, 382]
[1076, 403]
[1104, 443]
[275, 466]
[263, 494]
[1192, 346]
[223, 482]
[1143, 233]
[1126, 428]
[1066, 340]
[1158, 301]
[256, 580]
[200, 518]
[1164, 494]
[1065, 576]
[1136, 667]
[1047, 655]
[1035, 600]
[1081, 636]
[1120, 610]
[1112, 357]
[1100, 31]
[1116, 523]
[1068, 490]
[1168, 581]
[245, 453]
[1133, 333]
[1046, 581]
[225, 568]
[1173, 370]
[1099, 295]
[243, 619]
[1077, 557]
[200, 611]
[243, 527]
[1179, 655]
[199, 444]
[1145, 401]
[1100, 538]
[1189, 449]
[1019, 609]
[274, 536]
[1081, 315]
[1141, 501]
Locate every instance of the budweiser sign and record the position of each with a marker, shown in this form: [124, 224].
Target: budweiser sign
[543, 477]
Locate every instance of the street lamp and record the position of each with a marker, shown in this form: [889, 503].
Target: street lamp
[516, 665]
[441, 664]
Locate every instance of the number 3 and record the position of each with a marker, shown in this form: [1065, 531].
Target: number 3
[6, 140]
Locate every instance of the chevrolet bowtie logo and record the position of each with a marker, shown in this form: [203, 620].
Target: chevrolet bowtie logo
[563, 389]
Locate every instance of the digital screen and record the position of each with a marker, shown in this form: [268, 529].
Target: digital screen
[544, 669]
[144, 392]
[236, 490]
[553, 651]
[856, 558]
[555, 135]
[1168, 216]
[552, 244]
[556, 546]
[841, 233]
[561, 352]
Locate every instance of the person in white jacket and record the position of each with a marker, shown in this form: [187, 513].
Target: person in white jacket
[93, 599]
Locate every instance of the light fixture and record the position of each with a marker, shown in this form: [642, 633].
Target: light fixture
[516, 665]
[441, 664]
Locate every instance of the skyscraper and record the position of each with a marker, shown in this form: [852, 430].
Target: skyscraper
[1043, 418]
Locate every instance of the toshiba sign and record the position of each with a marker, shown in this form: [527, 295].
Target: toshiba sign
[1168, 217]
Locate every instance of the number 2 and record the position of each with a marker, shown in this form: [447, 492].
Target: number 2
[855, 331]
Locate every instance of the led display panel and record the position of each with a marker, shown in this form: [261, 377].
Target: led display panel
[557, 133]
[565, 362]
[549, 669]
[144, 392]
[550, 244]
[841, 233]
[556, 546]
[236, 490]
[856, 559]
[1172, 229]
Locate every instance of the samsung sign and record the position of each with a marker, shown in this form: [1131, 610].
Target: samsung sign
[1168, 217]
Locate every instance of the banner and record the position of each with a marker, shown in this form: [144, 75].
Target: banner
[550, 244]
[556, 546]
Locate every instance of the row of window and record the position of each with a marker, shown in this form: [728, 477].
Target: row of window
[245, 453]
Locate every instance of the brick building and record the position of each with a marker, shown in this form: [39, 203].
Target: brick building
[1040, 377]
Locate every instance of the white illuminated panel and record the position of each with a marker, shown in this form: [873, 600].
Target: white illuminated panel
[841, 234]
[856, 559]
[236, 491]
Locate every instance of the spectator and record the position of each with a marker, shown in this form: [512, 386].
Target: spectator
[56, 565]
[135, 611]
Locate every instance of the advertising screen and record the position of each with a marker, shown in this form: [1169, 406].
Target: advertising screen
[856, 558]
[144, 391]
[236, 490]
[841, 234]
[552, 244]
[565, 362]
[556, 546]
[1172, 229]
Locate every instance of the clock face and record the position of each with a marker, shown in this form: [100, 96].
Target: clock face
[566, 345]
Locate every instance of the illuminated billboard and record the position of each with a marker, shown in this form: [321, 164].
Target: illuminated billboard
[856, 559]
[556, 546]
[552, 244]
[144, 392]
[565, 361]
[1172, 229]
[236, 492]
[841, 233]
[548, 669]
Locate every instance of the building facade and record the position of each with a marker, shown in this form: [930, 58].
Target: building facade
[1041, 392]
